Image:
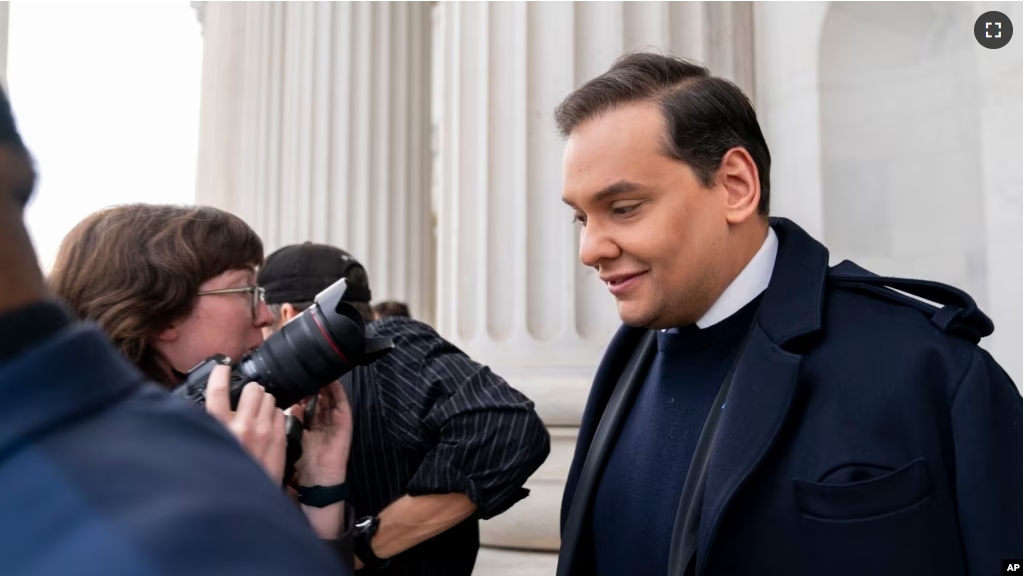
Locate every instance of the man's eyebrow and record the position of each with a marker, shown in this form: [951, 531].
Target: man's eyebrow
[617, 189]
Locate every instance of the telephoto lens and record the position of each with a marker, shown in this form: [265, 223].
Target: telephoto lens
[320, 345]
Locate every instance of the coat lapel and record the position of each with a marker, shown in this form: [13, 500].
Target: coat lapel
[763, 388]
[611, 421]
[766, 378]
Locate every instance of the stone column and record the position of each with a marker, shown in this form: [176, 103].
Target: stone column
[786, 56]
[223, 43]
[315, 126]
[5, 18]
[512, 292]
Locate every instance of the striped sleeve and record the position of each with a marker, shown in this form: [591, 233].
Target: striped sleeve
[480, 436]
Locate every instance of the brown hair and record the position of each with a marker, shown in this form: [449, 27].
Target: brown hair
[136, 269]
[705, 116]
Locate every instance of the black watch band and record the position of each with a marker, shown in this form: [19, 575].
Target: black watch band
[365, 528]
[320, 496]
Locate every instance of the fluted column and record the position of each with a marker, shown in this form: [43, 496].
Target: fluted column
[218, 162]
[315, 126]
[512, 292]
[788, 104]
[5, 16]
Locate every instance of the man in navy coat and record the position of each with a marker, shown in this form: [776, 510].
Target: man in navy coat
[102, 473]
[760, 412]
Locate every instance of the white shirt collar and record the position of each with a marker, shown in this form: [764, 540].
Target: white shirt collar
[748, 285]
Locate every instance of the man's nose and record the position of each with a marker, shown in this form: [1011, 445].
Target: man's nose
[596, 245]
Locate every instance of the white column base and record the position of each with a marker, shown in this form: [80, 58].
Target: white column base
[502, 562]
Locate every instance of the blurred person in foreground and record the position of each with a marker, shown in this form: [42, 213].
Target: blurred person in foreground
[101, 472]
[174, 285]
[440, 441]
[761, 412]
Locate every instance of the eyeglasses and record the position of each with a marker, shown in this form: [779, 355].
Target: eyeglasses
[257, 295]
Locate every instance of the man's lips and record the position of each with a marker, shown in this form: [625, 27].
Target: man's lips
[619, 284]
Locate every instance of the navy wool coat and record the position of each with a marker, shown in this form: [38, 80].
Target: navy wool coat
[864, 432]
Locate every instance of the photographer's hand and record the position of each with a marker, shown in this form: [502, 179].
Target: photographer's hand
[258, 424]
[326, 444]
[327, 440]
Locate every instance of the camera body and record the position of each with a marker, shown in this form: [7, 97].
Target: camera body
[324, 342]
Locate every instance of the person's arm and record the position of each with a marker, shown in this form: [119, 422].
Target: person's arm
[326, 521]
[326, 445]
[986, 419]
[486, 437]
[411, 520]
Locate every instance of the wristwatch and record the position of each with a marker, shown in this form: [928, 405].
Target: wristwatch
[365, 528]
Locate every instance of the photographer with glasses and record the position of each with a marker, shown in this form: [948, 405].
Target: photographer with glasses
[175, 285]
[102, 473]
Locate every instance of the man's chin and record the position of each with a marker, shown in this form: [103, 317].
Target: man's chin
[635, 316]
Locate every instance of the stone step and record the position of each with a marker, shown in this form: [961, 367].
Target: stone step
[506, 562]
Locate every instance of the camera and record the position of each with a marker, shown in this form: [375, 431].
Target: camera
[320, 345]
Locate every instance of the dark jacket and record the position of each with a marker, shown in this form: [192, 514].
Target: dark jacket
[104, 474]
[863, 432]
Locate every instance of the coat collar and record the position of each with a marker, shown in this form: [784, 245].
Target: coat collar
[793, 305]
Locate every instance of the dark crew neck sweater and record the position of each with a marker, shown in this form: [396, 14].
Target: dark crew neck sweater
[638, 494]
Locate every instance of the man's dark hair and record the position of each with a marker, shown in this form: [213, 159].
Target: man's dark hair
[391, 308]
[705, 116]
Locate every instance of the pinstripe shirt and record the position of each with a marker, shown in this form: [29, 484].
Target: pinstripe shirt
[429, 420]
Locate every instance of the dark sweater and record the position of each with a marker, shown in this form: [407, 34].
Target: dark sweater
[638, 494]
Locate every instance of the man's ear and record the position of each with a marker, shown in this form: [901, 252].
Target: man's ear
[288, 313]
[738, 177]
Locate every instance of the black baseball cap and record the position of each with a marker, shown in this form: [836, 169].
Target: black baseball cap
[297, 273]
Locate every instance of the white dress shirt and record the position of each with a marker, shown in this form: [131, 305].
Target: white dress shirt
[750, 283]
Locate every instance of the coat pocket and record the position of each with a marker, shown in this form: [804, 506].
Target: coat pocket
[885, 526]
[886, 494]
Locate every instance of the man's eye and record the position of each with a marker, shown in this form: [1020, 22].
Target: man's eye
[580, 218]
[624, 210]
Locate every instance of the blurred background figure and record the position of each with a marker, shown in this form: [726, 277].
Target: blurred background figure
[390, 308]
